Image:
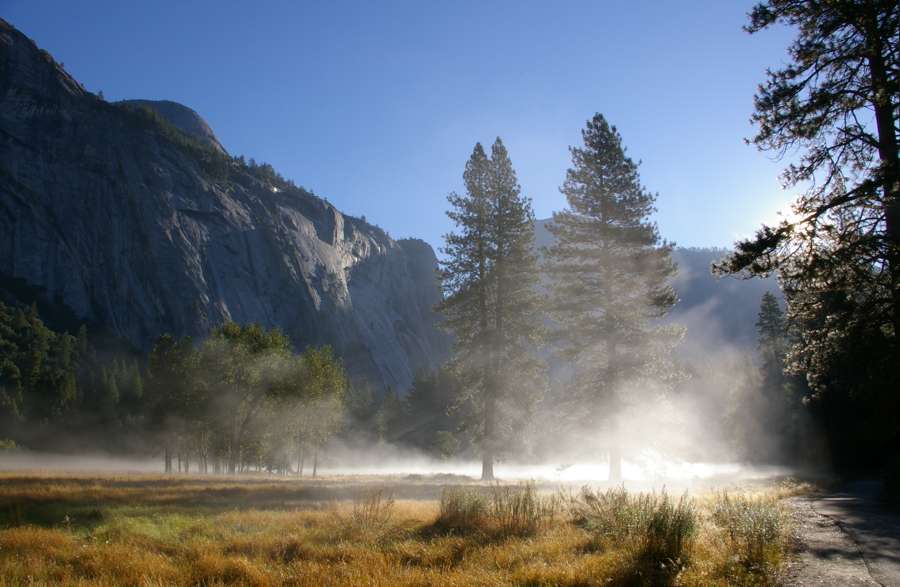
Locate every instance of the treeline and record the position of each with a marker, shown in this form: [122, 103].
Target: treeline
[240, 400]
[55, 385]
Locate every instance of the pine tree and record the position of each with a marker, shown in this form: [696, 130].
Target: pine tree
[609, 273]
[491, 305]
[772, 332]
[836, 106]
[464, 272]
[517, 324]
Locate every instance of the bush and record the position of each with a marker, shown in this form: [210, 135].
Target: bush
[671, 527]
[520, 510]
[503, 510]
[658, 528]
[754, 526]
[462, 509]
[372, 511]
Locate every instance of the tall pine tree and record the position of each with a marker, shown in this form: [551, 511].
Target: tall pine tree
[609, 274]
[835, 106]
[491, 302]
[772, 336]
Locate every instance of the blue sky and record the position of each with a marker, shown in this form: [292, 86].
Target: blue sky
[377, 104]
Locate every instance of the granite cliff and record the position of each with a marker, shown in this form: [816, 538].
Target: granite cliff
[132, 216]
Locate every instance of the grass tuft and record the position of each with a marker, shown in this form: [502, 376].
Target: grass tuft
[372, 511]
[754, 527]
[501, 511]
[656, 530]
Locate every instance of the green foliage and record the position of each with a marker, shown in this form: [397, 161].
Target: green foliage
[38, 369]
[610, 281]
[445, 444]
[835, 103]
[489, 276]
[240, 399]
[435, 416]
[244, 399]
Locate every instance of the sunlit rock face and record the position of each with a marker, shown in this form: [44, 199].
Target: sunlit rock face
[131, 231]
[184, 119]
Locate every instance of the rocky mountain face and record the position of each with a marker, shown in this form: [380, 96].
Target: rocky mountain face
[182, 118]
[132, 217]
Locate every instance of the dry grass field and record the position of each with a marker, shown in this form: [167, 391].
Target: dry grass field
[146, 530]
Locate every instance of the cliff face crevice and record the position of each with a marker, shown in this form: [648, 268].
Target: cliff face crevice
[146, 228]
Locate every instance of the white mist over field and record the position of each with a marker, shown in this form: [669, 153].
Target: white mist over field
[31, 461]
[650, 468]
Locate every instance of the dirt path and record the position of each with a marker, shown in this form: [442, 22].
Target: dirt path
[846, 538]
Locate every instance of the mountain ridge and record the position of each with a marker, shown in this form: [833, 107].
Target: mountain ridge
[130, 222]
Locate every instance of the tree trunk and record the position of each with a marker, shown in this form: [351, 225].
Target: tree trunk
[615, 447]
[315, 461]
[487, 457]
[615, 462]
[168, 460]
[302, 460]
[889, 157]
[487, 466]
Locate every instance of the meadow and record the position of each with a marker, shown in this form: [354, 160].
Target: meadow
[150, 530]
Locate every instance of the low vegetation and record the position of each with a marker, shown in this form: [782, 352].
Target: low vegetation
[754, 527]
[153, 530]
[656, 530]
[499, 511]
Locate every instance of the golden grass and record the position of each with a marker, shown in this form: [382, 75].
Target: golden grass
[155, 531]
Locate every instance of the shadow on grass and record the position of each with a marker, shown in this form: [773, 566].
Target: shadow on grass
[51, 515]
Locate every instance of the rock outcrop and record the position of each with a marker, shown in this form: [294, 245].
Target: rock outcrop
[143, 225]
[183, 118]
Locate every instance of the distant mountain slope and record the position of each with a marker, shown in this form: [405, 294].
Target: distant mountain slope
[715, 310]
[142, 224]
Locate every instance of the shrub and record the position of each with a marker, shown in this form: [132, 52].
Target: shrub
[671, 527]
[753, 525]
[462, 509]
[521, 510]
[372, 511]
[657, 528]
[503, 510]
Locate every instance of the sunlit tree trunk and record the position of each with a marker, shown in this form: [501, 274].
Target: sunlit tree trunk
[487, 458]
[615, 446]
